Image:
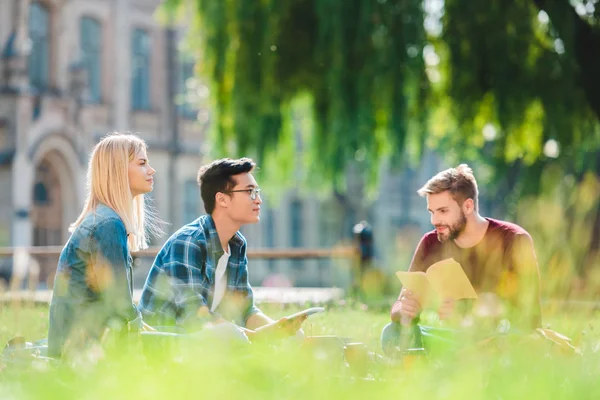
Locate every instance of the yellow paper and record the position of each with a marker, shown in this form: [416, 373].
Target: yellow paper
[417, 283]
[444, 279]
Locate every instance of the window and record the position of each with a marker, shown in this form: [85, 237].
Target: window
[297, 227]
[331, 231]
[269, 227]
[407, 195]
[91, 48]
[186, 89]
[330, 223]
[191, 201]
[140, 77]
[39, 33]
[296, 222]
[269, 232]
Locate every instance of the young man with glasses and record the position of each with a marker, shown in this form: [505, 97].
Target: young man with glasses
[200, 276]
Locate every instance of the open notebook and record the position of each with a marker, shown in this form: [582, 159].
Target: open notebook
[444, 279]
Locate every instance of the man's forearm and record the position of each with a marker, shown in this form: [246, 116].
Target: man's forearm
[257, 320]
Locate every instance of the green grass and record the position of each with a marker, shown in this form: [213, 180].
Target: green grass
[284, 369]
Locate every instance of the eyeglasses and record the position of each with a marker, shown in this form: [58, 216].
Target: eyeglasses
[253, 192]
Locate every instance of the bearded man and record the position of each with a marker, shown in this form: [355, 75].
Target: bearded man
[498, 257]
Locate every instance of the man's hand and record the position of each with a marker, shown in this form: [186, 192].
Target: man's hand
[446, 309]
[406, 308]
[289, 327]
[283, 327]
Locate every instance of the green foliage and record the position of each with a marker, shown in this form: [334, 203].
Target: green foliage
[509, 66]
[377, 86]
[560, 221]
[357, 61]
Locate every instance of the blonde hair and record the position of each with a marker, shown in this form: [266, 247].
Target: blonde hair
[108, 183]
[459, 181]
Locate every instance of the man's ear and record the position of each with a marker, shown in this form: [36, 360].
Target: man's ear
[468, 206]
[221, 199]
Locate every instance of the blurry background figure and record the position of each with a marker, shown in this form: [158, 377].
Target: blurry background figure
[367, 281]
[363, 233]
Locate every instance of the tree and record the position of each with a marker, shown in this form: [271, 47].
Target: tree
[525, 70]
[509, 84]
[530, 69]
[512, 85]
[519, 69]
[354, 67]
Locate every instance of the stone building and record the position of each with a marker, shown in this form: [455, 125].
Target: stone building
[71, 71]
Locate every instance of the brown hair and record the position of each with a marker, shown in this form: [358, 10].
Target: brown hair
[459, 181]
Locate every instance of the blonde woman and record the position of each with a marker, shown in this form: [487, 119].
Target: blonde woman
[93, 284]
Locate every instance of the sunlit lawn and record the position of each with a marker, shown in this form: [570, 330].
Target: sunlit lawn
[287, 370]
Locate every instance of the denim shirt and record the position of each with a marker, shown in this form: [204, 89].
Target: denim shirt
[93, 285]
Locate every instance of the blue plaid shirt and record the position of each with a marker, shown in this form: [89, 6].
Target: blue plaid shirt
[182, 278]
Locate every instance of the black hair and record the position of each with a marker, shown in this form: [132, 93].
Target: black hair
[218, 177]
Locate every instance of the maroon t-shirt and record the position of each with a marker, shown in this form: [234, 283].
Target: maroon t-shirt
[503, 262]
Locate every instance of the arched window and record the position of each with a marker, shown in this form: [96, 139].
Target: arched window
[91, 48]
[39, 34]
[140, 76]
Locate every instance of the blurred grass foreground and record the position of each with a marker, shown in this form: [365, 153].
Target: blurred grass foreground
[290, 368]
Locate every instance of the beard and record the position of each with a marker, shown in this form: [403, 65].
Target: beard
[453, 230]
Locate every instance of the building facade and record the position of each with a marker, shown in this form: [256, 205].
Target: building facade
[71, 71]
